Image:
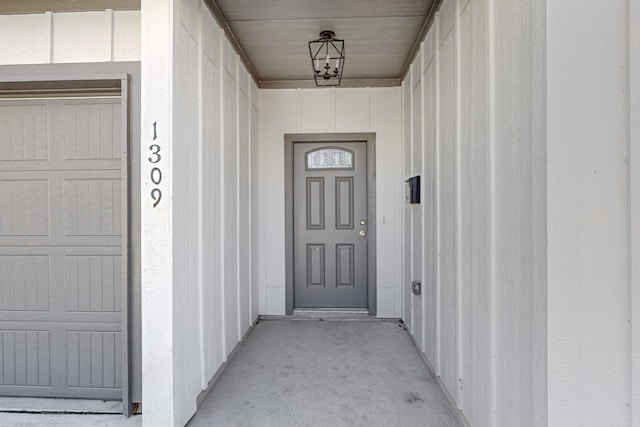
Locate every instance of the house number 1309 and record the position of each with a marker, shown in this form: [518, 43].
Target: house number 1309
[156, 172]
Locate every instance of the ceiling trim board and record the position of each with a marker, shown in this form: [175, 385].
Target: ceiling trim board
[310, 84]
[428, 22]
[224, 24]
[324, 19]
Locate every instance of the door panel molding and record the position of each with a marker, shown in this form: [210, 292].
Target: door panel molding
[315, 203]
[347, 198]
[289, 140]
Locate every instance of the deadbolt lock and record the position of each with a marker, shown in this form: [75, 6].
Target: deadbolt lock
[363, 222]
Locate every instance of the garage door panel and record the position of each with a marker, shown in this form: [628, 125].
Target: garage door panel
[29, 359]
[23, 131]
[92, 207]
[24, 282]
[93, 283]
[91, 131]
[61, 264]
[93, 359]
[25, 207]
[25, 358]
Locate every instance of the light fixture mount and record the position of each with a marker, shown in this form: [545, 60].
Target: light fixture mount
[327, 59]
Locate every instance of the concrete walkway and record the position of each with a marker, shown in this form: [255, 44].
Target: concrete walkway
[326, 373]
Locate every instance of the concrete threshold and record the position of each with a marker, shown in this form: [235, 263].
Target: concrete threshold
[329, 315]
[39, 405]
[36, 412]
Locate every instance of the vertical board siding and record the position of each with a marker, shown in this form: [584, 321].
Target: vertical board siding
[70, 37]
[244, 212]
[212, 321]
[254, 150]
[453, 113]
[186, 208]
[591, 183]
[88, 32]
[387, 145]
[447, 95]
[230, 209]
[416, 235]
[332, 110]
[430, 206]
[209, 188]
[474, 210]
[407, 271]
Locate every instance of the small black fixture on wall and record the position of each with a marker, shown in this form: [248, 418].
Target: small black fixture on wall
[416, 288]
[413, 190]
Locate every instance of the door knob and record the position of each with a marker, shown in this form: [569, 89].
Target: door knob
[362, 233]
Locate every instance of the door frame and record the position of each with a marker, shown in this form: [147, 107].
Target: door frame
[104, 79]
[300, 138]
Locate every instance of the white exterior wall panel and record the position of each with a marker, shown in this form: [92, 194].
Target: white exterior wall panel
[70, 37]
[590, 188]
[206, 184]
[483, 212]
[350, 110]
[415, 210]
[475, 359]
[407, 151]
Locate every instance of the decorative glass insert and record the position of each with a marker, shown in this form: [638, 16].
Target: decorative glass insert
[330, 158]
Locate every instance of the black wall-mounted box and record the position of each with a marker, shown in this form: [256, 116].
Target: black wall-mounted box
[413, 190]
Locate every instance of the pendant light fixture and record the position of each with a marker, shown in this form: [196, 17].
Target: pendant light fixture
[327, 59]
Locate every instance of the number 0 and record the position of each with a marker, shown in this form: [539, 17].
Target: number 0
[156, 176]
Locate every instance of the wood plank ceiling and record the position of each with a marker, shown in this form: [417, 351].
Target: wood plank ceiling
[379, 36]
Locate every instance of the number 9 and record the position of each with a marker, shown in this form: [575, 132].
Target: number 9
[156, 195]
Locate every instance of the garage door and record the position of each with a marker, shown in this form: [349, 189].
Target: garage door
[61, 227]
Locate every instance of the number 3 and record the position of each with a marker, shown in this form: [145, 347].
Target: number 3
[155, 151]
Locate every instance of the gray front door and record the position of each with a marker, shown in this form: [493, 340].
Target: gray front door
[330, 225]
[61, 226]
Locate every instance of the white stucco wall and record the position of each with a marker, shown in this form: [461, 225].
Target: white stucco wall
[474, 130]
[592, 233]
[331, 110]
[43, 38]
[197, 265]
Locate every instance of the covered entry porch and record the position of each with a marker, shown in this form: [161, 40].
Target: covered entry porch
[522, 128]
